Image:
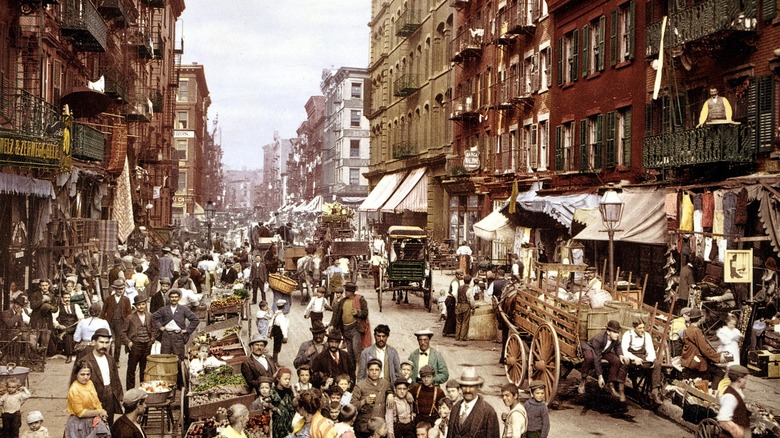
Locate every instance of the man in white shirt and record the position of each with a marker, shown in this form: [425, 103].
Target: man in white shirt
[66, 318]
[639, 353]
[391, 361]
[733, 415]
[472, 416]
[105, 373]
[257, 365]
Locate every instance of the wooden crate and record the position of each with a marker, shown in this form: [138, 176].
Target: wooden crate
[207, 410]
[763, 363]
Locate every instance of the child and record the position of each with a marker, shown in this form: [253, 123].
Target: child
[264, 404]
[536, 408]
[263, 316]
[441, 426]
[377, 427]
[516, 421]
[422, 429]
[399, 415]
[406, 371]
[345, 383]
[426, 396]
[729, 336]
[279, 326]
[334, 410]
[346, 417]
[282, 398]
[11, 402]
[304, 379]
[442, 306]
[317, 307]
[204, 363]
[34, 422]
[453, 391]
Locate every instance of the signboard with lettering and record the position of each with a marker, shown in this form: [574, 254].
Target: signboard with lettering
[183, 134]
[471, 160]
[31, 151]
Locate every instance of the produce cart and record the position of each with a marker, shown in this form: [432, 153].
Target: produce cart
[225, 304]
[409, 268]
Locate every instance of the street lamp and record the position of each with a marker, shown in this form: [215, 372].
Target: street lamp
[611, 208]
[210, 211]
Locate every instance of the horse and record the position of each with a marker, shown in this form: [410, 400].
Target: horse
[308, 270]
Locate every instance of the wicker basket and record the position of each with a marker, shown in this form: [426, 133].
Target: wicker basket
[282, 284]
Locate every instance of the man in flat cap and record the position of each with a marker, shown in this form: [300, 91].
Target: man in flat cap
[326, 366]
[174, 324]
[605, 346]
[105, 373]
[128, 425]
[116, 309]
[311, 348]
[733, 415]
[257, 365]
[138, 336]
[472, 417]
[350, 317]
[165, 264]
[425, 355]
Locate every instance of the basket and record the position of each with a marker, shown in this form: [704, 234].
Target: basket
[282, 284]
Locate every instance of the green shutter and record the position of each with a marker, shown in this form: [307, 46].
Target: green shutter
[585, 50]
[764, 114]
[768, 10]
[558, 149]
[610, 140]
[575, 40]
[583, 145]
[631, 11]
[560, 61]
[613, 28]
[601, 53]
[598, 147]
[627, 137]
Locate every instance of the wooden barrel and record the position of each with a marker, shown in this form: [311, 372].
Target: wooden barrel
[163, 367]
[598, 318]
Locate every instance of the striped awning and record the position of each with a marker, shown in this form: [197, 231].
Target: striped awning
[412, 194]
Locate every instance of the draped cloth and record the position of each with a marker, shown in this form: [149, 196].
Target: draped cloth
[122, 211]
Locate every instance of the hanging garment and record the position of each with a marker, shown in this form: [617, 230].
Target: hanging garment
[741, 212]
[686, 213]
[717, 217]
[707, 208]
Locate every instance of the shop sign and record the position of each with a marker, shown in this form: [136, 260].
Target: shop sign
[183, 134]
[471, 160]
[29, 151]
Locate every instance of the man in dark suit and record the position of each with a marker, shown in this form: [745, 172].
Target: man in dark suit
[171, 323]
[105, 373]
[257, 365]
[157, 300]
[472, 416]
[326, 366]
[138, 336]
[605, 346]
[116, 309]
[258, 274]
[311, 348]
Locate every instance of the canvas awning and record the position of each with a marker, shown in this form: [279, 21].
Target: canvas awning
[534, 211]
[643, 221]
[411, 195]
[300, 207]
[495, 226]
[383, 190]
[315, 205]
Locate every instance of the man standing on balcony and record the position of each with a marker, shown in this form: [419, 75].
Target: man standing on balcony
[716, 110]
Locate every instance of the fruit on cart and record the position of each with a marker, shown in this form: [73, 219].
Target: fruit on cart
[222, 376]
[225, 302]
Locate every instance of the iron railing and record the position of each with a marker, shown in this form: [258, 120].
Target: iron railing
[468, 44]
[408, 22]
[514, 19]
[88, 143]
[154, 3]
[28, 114]
[114, 9]
[142, 40]
[463, 106]
[404, 149]
[708, 144]
[84, 25]
[406, 85]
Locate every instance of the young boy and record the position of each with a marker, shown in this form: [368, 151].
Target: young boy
[426, 396]
[335, 410]
[453, 391]
[422, 429]
[516, 421]
[263, 403]
[11, 402]
[346, 417]
[399, 415]
[279, 326]
[304, 377]
[536, 408]
[442, 306]
[377, 427]
[263, 316]
[345, 383]
[316, 307]
[34, 422]
[406, 371]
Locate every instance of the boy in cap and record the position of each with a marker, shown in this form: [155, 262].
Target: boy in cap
[536, 410]
[605, 346]
[35, 424]
[400, 412]
[138, 336]
[128, 425]
[426, 396]
[279, 327]
[733, 415]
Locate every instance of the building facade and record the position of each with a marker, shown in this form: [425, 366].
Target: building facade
[304, 164]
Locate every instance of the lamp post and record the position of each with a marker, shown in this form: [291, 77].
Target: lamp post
[210, 210]
[611, 208]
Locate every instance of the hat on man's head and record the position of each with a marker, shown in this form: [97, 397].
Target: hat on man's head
[176, 252]
[34, 416]
[613, 326]
[318, 328]
[407, 362]
[165, 280]
[737, 371]
[427, 370]
[459, 272]
[695, 314]
[350, 287]
[335, 335]
[118, 284]
[469, 377]
[20, 300]
[133, 395]
[424, 332]
[684, 311]
[258, 338]
[173, 291]
[140, 298]
[400, 381]
[166, 249]
[101, 333]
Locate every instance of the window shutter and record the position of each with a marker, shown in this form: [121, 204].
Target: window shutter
[613, 28]
[560, 61]
[559, 148]
[585, 50]
[598, 147]
[769, 10]
[610, 140]
[631, 10]
[583, 145]
[764, 114]
[533, 153]
[548, 66]
[575, 52]
[627, 138]
[601, 53]
[536, 77]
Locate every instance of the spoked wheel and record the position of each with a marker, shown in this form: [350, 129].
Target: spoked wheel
[516, 358]
[544, 359]
[708, 428]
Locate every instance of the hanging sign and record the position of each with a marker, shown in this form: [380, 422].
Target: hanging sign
[471, 160]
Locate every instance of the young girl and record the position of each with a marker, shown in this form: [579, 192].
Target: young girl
[316, 307]
[442, 305]
[35, 423]
[204, 363]
[304, 377]
[263, 317]
[282, 399]
[441, 425]
[536, 408]
[729, 336]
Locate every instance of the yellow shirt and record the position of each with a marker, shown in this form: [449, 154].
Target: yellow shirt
[82, 398]
[229, 432]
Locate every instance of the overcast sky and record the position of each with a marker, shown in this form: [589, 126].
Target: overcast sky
[264, 59]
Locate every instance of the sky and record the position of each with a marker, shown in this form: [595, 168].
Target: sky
[263, 60]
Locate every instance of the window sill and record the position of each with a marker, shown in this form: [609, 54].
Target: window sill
[623, 64]
[567, 85]
[593, 75]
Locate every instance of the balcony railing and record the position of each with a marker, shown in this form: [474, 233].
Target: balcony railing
[404, 149]
[514, 20]
[467, 45]
[141, 39]
[464, 107]
[406, 85]
[509, 92]
[139, 110]
[708, 144]
[710, 18]
[115, 86]
[157, 101]
[84, 25]
[408, 23]
[88, 143]
[110, 9]
[154, 3]
[454, 167]
[27, 114]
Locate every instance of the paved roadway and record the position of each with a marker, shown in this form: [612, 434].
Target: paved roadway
[591, 415]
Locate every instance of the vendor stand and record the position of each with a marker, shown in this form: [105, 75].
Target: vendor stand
[227, 303]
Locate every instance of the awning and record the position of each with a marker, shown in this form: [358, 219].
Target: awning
[352, 199]
[383, 190]
[198, 210]
[411, 195]
[531, 208]
[301, 206]
[11, 184]
[644, 220]
[85, 102]
[315, 205]
[495, 226]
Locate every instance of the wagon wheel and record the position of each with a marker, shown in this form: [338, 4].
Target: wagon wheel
[544, 359]
[708, 428]
[516, 358]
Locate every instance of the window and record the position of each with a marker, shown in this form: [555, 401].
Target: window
[181, 120]
[354, 119]
[621, 34]
[544, 143]
[181, 150]
[184, 90]
[529, 147]
[530, 74]
[354, 149]
[182, 183]
[564, 140]
[354, 176]
[357, 90]
[591, 151]
[545, 60]
[568, 53]
[623, 137]
[593, 46]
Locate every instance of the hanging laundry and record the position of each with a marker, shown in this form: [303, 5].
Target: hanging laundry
[686, 213]
[717, 217]
[707, 208]
[741, 213]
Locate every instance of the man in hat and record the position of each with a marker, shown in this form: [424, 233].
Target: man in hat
[117, 271]
[176, 257]
[65, 319]
[733, 415]
[473, 416]
[128, 425]
[350, 317]
[605, 346]
[171, 323]
[116, 309]
[258, 276]
[165, 264]
[14, 316]
[332, 362]
[105, 373]
[311, 348]
[137, 336]
[40, 315]
[157, 301]
[387, 355]
[450, 323]
[257, 365]
[699, 358]
[426, 355]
